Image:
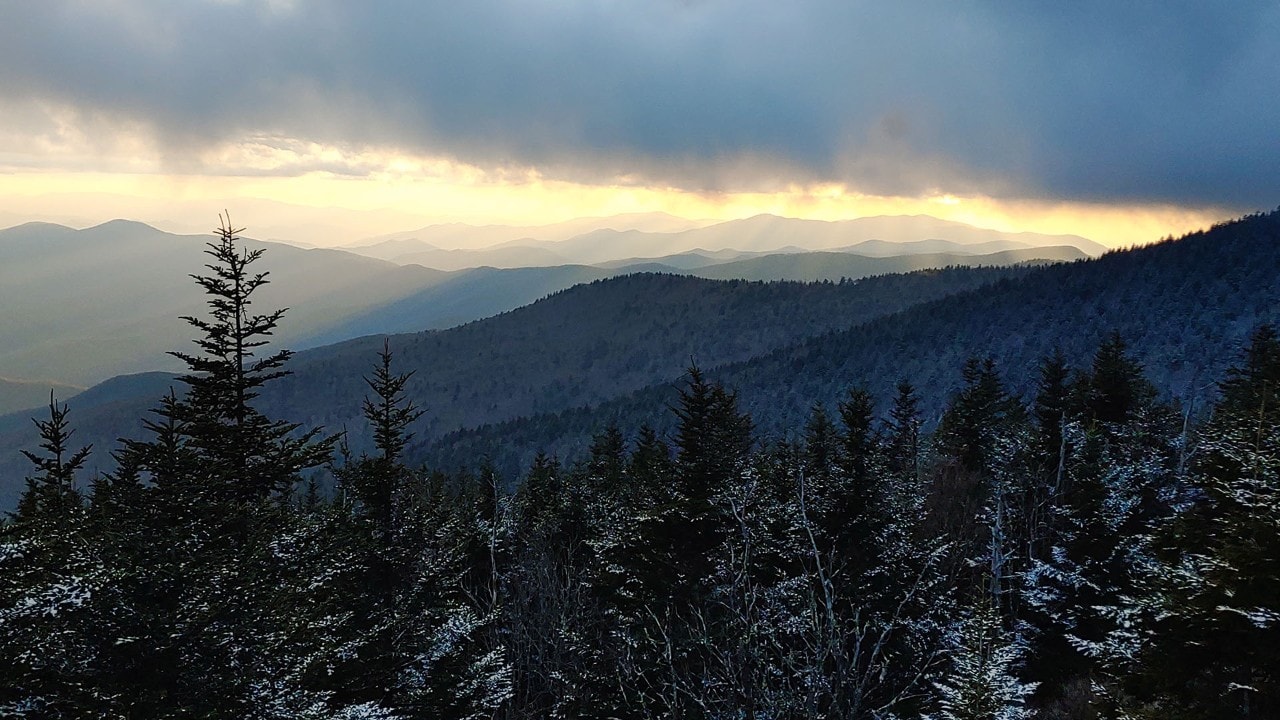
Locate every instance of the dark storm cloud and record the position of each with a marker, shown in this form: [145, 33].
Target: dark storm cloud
[1103, 101]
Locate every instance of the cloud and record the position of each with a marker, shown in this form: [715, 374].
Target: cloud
[1095, 101]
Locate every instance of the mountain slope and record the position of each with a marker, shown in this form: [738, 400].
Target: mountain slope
[582, 345]
[1185, 307]
[595, 341]
[482, 292]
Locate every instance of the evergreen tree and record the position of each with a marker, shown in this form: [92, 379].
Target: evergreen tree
[243, 455]
[902, 434]
[209, 568]
[821, 450]
[1049, 454]
[1116, 387]
[608, 459]
[376, 482]
[51, 492]
[978, 420]
[51, 579]
[982, 681]
[1116, 484]
[971, 499]
[860, 500]
[713, 443]
[1210, 640]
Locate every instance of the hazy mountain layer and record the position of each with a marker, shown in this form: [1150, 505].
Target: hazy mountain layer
[690, 260]
[768, 233]
[884, 248]
[23, 394]
[482, 292]
[476, 237]
[83, 305]
[464, 297]
[512, 257]
[609, 241]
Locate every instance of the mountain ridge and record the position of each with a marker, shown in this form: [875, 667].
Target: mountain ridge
[765, 233]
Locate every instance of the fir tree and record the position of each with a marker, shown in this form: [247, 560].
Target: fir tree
[51, 492]
[51, 579]
[982, 682]
[376, 482]
[243, 455]
[1116, 484]
[902, 433]
[1116, 387]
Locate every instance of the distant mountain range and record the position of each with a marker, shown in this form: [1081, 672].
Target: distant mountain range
[454, 247]
[818, 266]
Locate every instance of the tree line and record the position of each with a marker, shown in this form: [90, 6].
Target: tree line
[1091, 551]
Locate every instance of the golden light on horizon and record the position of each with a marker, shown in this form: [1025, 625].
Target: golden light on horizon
[384, 191]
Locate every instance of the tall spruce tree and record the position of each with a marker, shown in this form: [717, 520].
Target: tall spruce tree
[211, 573]
[243, 455]
[713, 444]
[902, 433]
[375, 482]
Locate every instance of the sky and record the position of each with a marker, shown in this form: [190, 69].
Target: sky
[328, 121]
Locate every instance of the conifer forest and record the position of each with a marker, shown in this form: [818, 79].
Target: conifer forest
[1093, 548]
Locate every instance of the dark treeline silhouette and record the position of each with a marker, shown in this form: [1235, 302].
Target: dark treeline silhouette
[1090, 552]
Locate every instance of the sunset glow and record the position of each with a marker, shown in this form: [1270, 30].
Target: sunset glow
[325, 208]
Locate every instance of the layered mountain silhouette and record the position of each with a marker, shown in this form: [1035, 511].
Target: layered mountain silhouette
[83, 305]
[612, 348]
[626, 237]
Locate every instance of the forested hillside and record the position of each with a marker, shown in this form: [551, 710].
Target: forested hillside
[485, 291]
[1177, 304]
[1088, 550]
[599, 340]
